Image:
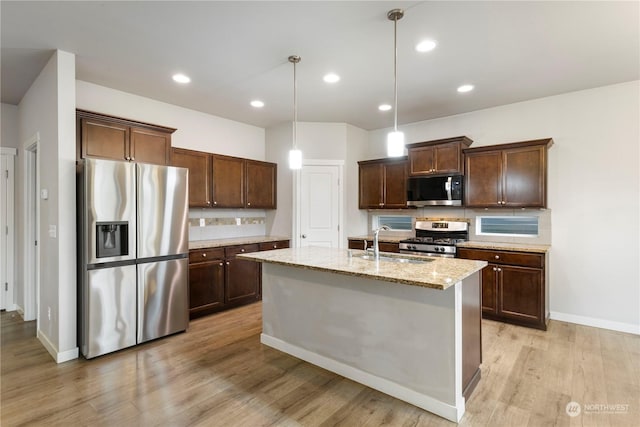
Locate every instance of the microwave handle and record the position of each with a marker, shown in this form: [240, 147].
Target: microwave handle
[447, 188]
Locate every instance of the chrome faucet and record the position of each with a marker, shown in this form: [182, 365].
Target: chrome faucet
[376, 248]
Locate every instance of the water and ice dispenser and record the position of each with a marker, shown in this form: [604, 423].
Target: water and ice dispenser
[112, 239]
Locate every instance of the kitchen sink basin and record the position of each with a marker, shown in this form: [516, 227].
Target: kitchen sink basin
[400, 260]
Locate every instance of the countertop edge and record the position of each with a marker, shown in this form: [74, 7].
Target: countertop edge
[218, 243]
[504, 246]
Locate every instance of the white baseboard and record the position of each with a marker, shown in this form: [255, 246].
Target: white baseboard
[596, 323]
[59, 357]
[381, 384]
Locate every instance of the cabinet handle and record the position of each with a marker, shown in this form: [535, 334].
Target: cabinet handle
[499, 269]
[127, 158]
[221, 264]
[133, 159]
[497, 257]
[204, 255]
[380, 204]
[227, 263]
[215, 203]
[495, 269]
[248, 203]
[241, 250]
[208, 202]
[275, 246]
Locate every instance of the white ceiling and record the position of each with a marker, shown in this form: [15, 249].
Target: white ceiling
[237, 51]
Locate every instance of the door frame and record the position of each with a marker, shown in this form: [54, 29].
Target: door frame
[31, 265]
[297, 179]
[8, 236]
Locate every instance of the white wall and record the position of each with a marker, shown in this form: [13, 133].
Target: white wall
[317, 141]
[9, 117]
[593, 192]
[195, 130]
[48, 109]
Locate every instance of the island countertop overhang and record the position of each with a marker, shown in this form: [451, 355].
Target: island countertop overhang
[434, 273]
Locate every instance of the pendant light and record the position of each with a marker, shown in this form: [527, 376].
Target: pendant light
[295, 155]
[395, 139]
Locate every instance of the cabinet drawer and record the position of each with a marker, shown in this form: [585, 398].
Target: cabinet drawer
[280, 244]
[523, 259]
[232, 251]
[204, 255]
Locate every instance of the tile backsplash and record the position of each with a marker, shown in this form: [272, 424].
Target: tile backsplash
[209, 224]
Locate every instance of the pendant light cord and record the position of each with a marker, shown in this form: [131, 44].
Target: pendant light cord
[295, 107]
[395, 73]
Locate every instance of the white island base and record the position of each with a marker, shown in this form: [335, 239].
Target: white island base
[405, 341]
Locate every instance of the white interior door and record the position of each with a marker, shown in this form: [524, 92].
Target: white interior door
[7, 245]
[319, 205]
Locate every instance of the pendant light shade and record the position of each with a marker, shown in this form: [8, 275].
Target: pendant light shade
[395, 139]
[295, 155]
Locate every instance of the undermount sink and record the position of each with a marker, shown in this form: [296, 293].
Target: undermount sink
[369, 257]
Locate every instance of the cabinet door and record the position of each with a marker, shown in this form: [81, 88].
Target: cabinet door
[447, 158]
[483, 179]
[104, 140]
[199, 167]
[206, 286]
[395, 185]
[521, 293]
[490, 289]
[228, 182]
[149, 146]
[371, 182]
[242, 276]
[524, 174]
[421, 161]
[261, 185]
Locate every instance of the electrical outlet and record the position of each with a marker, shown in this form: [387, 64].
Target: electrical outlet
[201, 222]
[238, 221]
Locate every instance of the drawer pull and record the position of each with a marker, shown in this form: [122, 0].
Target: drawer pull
[204, 255]
[227, 262]
[497, 256]
[241, 250]
[220, 264]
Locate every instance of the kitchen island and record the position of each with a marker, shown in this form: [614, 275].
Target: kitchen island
[404, 325]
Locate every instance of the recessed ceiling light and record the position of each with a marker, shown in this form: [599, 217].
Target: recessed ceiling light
[465, 88]
[181, 78]
[426, 46]
[331, 78]
[384, 107]
[257, 103]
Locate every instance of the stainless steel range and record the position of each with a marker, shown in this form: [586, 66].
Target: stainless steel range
[436, 237]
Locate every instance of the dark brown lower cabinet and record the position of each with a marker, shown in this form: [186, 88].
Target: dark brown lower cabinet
[383, 246]
[242, 277]
[514, 286]
[218, 280]
[206, 281]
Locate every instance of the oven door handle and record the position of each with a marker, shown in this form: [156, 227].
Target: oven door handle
[447, 187]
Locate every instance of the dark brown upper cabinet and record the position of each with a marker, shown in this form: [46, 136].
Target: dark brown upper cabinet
[437, 157]
[217, 181]
[114, 138]
[383, 184]
[199, 165]
[507, 175]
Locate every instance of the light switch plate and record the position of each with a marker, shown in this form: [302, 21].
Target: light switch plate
[201, 222]
[238, 221]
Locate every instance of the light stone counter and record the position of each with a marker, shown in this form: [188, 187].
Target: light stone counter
[435, 273]
[387, 239]
[216, 243]
[520, 247]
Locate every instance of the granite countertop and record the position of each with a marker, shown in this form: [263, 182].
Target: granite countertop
[435, 273]
[520, 247]
[381, 238]
[216, 243]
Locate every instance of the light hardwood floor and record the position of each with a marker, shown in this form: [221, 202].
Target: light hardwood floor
[218, 374]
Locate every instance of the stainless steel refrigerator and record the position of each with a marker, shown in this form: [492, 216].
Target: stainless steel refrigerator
[133, 254]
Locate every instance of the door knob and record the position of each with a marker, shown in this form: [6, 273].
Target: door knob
[304, 236]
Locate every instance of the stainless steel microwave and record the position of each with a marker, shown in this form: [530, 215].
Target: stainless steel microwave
[435, 190]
